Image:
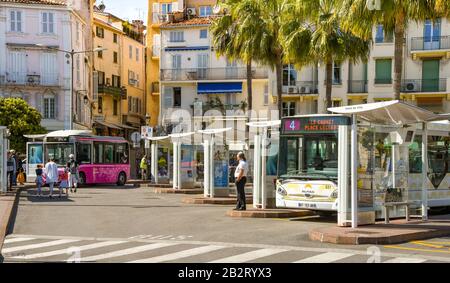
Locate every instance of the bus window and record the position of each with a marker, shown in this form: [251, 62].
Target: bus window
[83, 153]
[121, 153]
[98, 153]
[60, 152]
[108, 154]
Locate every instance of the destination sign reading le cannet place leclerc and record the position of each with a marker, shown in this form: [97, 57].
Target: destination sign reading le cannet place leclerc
[303, 125]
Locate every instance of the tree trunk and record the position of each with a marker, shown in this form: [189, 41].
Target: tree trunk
[328, 84]
[399, 34]
[279, 75]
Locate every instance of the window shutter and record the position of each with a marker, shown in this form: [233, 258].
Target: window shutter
[56, 106]
[39, 103]
[168, 97]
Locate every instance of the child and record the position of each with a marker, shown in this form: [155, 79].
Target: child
[64, 182]
[39, 179]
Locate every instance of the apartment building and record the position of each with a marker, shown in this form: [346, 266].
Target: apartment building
[425, 82]
[211, 89]
[119, 106]
[35, 38]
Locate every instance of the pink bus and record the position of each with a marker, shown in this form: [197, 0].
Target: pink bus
[102, 159]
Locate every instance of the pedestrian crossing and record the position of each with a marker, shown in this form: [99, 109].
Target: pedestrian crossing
[18, 248]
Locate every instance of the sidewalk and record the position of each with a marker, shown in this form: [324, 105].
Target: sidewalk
[6, 209]
[398, 231]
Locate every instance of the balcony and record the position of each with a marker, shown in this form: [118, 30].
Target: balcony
[358, 86]
[199, 109]
[211, 74]
[23, 79]
[427, 47]
[429, 85]
[383, 81]
[301, 88]
[119, 92]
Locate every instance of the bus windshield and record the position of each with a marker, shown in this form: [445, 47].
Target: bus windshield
[59, 151]
[309, 157]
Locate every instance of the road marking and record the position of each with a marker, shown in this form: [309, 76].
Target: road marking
[37, 246]
[417, 249]
[405, 260]
[325, 258]
[65, 251]
[249, 256]
[179, 255]
[420, 243]
[15, 240]
[129, 251]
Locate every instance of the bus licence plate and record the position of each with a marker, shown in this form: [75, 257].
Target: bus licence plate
[307, 205]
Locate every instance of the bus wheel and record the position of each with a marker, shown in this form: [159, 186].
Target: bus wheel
[82, 181]
[122, 179]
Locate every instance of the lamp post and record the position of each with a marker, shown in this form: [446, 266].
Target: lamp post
[71, 54]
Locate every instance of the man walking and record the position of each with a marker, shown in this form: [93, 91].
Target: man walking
[143, 165]
[241, 178]
[51, 174]
[72, 167]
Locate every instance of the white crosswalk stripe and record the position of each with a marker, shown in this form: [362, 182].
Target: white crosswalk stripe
[65, 251]
[179, 255]
[325, 258]
[405, 260]
[129, 251]
[16, 240]
[37, 246]
[249, 256]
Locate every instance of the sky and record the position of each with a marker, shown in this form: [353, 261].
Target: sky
[127, 9]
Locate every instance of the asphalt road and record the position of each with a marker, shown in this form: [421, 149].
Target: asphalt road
[127, 224]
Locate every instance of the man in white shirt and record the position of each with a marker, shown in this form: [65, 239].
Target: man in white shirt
[51, 174]
[241, 178]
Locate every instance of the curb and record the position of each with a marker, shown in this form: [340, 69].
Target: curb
[360, 239]
[269, 213]
[218, 201]
[174, 191]
[5, 216]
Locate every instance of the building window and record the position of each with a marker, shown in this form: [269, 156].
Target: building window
[48, 24]
[115, 107]
[130, 52]
[131, 78]
[289, 75]
[266, 94]
[101, 78]
[49, 107]
[166, 8]
[137, 54]
[100, 104]
[177, 97]
[100, 32]
[383, 71]
[116, 56]
[288, 108]
[205, 11]
[336, 103]
[115, 38]
[115, 81]
[129, 103]
[203, 33]
[337, 79]
[15, 21]
[100, 53]
[176, 36]
[381, 36]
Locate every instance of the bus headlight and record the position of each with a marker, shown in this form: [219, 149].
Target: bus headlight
[281, 191]
[334, 194]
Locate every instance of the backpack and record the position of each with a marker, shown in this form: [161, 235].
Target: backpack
[73, 166]
[10, 165]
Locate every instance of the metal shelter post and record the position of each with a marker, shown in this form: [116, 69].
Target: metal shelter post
[354, 172]
[425, 172]
[206, 168]
[175, 165]
[154, 161]
[257, 171]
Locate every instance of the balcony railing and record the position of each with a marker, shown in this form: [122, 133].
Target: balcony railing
[430, 43]
[199, 74]
[201, 109]
[379, 81]
[23, 79]
[112, 90]
[357, 86]
[302, 87]
[427, 85]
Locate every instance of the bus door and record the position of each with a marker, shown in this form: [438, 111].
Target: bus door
[35, 156]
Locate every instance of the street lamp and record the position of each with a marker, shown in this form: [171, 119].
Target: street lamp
[71, 53]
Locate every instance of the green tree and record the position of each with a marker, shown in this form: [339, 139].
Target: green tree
[20, 119]
[313, 34]
[395, 16]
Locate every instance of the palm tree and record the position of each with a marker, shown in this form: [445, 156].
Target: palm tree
[395, 16]
[318, 22]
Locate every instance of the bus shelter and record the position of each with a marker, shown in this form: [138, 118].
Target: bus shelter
[182, 178]
[4, 145]
[371, 125]
[154, 168]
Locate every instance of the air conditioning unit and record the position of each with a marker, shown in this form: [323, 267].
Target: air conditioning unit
[292, 89]
[191, 11]
[411, 86]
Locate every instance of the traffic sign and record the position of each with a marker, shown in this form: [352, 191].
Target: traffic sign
[146, 132]
[136, 137]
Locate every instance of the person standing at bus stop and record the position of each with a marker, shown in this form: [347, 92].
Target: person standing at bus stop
[72, 166]
[51, 174]
[241, 178]
[143, 165]
[10, 169]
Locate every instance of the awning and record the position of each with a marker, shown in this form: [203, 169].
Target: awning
[393, 112]
[211, 88]
[128, 127]
[108, 125]
[185, 48]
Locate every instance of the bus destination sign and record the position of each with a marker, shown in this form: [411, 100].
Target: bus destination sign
[318, 124]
